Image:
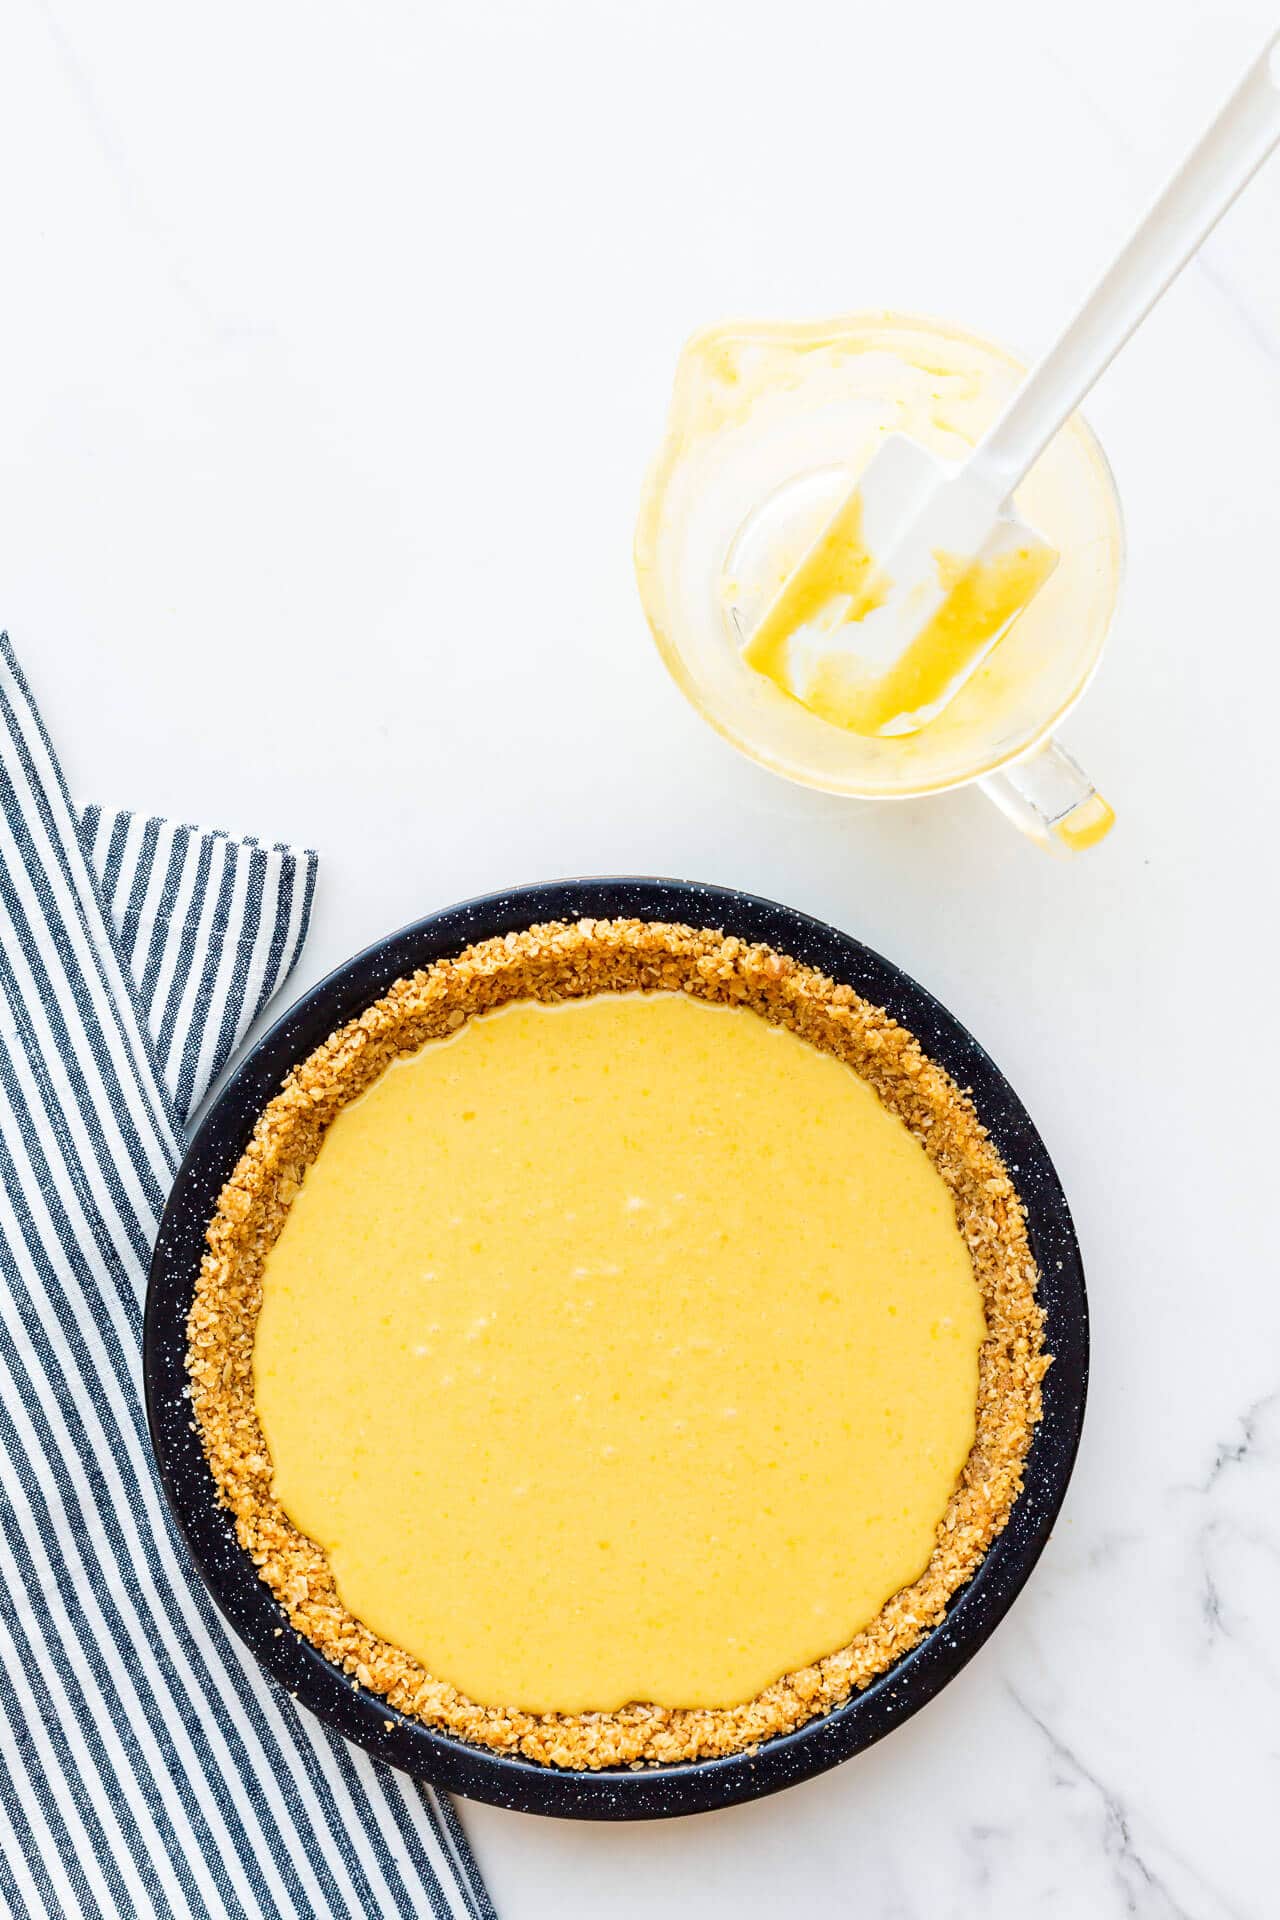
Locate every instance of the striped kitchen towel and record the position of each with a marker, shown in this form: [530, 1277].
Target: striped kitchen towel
[147, 1766]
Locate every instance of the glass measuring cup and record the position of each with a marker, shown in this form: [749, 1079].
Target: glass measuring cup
[769, 427]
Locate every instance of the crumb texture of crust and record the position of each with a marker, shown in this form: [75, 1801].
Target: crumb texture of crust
[569, 960]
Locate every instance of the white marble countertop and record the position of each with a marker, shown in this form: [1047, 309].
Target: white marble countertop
[335, 341]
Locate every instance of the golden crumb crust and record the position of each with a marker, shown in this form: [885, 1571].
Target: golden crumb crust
[559, 961]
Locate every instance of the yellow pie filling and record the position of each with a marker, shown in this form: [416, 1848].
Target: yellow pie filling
[624, 1349]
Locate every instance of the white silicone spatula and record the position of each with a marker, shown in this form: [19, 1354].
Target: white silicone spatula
[926, 564]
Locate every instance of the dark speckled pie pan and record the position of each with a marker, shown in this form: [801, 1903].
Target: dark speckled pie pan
[653, 1791]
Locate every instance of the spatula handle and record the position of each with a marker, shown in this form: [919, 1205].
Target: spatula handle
[1191, 205]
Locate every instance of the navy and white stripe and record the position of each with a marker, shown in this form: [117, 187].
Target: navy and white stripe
[207, 927]
[147, 1766]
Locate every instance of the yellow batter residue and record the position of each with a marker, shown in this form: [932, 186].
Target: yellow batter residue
[839, 583]
[1086, 824]
[620, 1350]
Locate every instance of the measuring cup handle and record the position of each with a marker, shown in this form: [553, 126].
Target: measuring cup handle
[1052, 798]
